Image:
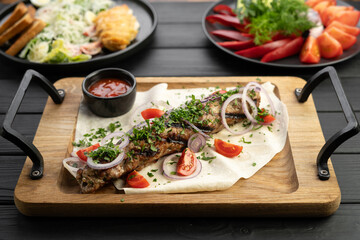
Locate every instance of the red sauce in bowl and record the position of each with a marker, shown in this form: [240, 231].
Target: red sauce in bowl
[109, 87]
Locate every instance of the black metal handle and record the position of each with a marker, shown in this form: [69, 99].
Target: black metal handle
[352, 127]
[17, 138]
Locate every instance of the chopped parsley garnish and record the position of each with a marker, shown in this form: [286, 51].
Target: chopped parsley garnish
[150, 174]
[173, 173]
[203, 157]
[106, 153]
[98, 134]
[254, 164]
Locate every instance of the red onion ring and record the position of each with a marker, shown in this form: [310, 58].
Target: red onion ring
[223, 110]
[263, 90]
[73, 170]
[196, 142]
[102, 166]
[123, 142]
[167, 170]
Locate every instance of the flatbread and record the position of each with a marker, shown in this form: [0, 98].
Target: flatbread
[219, 173]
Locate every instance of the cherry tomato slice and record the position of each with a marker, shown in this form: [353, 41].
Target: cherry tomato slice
[187, 163]
[152, 113]
[267, 118]
[310, 52]
[136, 180]
[81, 152]
[219, 92]
[227, 149]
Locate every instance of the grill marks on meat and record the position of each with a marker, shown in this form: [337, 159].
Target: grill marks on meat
[172, 140]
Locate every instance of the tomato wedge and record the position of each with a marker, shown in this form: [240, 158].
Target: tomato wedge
[346, 40]
[136, 180]
[220, 92]
[187, 163]
[227, 149]
[350, 18]
[329, 46]
[81, 152]
[310, 52]
[330, 12]
[313, 3]
[346, 28]
[268, 118]
[287, 50]
[152, 113]
[321, 6]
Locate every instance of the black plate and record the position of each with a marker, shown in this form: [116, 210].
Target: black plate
[146, 16]
[289, 62]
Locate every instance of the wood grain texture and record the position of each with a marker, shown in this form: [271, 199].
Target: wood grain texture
[290, 193]
[345, 223]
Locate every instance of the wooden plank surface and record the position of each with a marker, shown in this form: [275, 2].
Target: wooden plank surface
[290, 192]
[169, 44]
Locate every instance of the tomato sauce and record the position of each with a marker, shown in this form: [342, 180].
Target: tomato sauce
[109, 87]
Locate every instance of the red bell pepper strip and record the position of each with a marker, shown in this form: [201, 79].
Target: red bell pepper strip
[229, 21]
[260, 51]
[237, 45]
[230, 35]
[284, 51]
[224, 9]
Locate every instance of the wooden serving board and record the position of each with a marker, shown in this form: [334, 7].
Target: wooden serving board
[287, 186]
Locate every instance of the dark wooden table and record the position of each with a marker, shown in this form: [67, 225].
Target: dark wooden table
[181, 49]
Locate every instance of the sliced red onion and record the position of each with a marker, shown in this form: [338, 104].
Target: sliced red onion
[169, 168]
[196, 142]
[196, 128]
[263, 90]
[102, 166]
[123, 139]
[73, 170]
[223, 111]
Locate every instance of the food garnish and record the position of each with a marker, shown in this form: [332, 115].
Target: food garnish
[190, 124]
[136, 180]
[270, 30]
[227, 149]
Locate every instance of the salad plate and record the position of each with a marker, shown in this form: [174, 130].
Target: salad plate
[145, 14]
[289, 62]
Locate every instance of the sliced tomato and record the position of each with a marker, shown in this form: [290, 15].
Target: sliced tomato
[329, 46]
[187, 163]
[136, 180]
[227, 149]
[287, 50]
[346, 28]
[267, 118]
[81, 152]
[220, 92]
[346, 40]
[321, 6]
[350, 18]
[310, 52]
[313, 3]
[152, 113]
[330, 12]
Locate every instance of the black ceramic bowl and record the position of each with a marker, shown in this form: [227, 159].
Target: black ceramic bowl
[113, 106]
